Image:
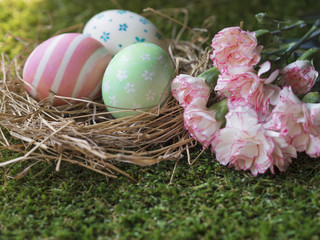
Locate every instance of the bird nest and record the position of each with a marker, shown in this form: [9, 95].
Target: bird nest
[84, 133]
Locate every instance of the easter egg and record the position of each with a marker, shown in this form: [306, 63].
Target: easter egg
[117, 29]
[69, 65]
[138, 77]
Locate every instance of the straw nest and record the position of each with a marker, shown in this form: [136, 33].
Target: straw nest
[84, 133]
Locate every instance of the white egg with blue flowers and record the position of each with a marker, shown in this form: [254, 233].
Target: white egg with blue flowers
[117, 29]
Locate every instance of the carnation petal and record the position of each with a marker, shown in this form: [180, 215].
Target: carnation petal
[254, 171]
[313, 148]
[242, 118]
[312, 115]
[264, 67]
[272, 77]
[250, 151]
[301, 141]
[222, 152]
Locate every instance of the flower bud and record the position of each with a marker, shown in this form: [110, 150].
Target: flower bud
[300, 75]
[263, 18]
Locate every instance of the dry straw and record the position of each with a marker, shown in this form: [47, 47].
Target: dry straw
[84, 133]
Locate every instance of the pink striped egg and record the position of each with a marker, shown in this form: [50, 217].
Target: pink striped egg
[69, 65]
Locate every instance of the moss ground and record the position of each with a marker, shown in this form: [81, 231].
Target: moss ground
[203, 201]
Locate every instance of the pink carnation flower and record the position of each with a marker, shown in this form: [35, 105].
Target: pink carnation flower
[243, 143]
[234, 47]
[300, 75]
[245, 87]
[295, 120]
[201, 124]
[186, 89]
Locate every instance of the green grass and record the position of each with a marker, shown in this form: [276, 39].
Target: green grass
[204, 201]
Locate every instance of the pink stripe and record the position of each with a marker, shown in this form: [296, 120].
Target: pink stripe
[96, 73]
[53, 64]
[81, 54]
[35, 57]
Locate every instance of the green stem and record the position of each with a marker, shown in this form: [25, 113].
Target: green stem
[211, 77]
[281, 50]
[299, 24]
[221, 110]
[310, 54]
[291, 49]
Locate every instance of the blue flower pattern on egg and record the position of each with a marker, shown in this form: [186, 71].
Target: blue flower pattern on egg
[99, 16]
[144, 21]
[140, 39]
[105, 36]
[117, 29]
[123, 27]
[122, 11]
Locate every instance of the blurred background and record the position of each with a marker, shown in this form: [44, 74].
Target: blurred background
[22, 21]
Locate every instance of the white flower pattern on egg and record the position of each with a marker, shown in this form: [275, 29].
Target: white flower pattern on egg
[163, 61]
[125, 59]
[145, 56]
[113, 100]
[129, 88]
[150, 95]
[160, 58]
[121, 75]
[136, 105]
[148, 75]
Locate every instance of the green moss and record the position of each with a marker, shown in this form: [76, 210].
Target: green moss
[206, 201]
[19, 20]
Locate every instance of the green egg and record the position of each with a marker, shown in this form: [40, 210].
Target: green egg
[138, 77]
